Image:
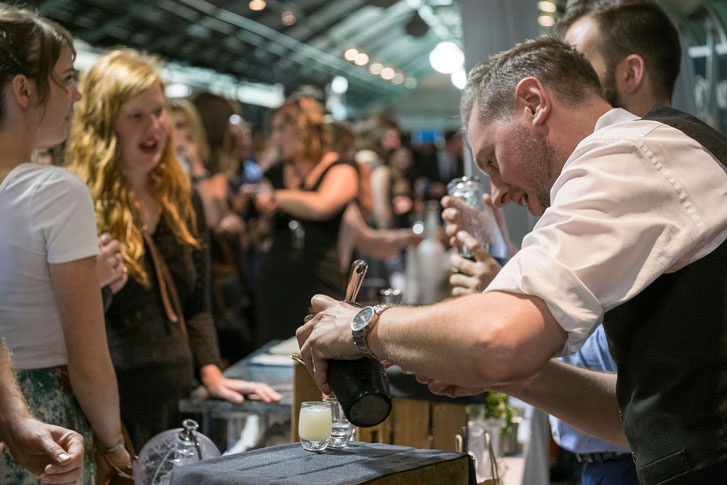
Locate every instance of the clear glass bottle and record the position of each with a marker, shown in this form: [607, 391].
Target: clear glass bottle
[430, 258]
[481, 224]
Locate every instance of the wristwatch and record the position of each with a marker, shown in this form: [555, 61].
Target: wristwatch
[362, 324]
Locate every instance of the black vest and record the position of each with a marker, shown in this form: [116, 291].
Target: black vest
[670, 345]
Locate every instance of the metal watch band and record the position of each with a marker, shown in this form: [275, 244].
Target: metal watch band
[361, 341]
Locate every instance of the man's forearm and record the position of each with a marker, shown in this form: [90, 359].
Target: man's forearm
[12, 402]
[583, 398]
[478, 340]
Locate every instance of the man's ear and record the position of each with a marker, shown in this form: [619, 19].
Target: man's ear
[631, 73]
[23, 89]
[532, 99]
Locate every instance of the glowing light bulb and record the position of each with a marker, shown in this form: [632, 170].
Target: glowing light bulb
[361, 59]
[257, 4]
[446, 57]
[350, 54]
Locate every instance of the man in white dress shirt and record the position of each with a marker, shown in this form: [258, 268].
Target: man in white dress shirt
[625, 203]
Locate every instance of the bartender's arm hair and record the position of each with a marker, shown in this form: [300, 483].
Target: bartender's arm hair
[565, 390]
[498, 337]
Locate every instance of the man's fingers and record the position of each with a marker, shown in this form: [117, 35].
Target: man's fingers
[462, 265]
[453, 202]
[320, 374]
[451, 230]
[450, 215]
[321, 302]
[473, 245]
[305, 349]
[304, 331]
[467, 283]
[461, 291]
[53, 450]
[438, 387]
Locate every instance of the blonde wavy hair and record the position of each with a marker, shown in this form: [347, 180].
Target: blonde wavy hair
[92, 154]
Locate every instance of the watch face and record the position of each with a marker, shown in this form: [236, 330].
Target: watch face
[362, 319]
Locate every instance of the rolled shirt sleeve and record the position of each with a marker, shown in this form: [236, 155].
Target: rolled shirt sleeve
[626, 208]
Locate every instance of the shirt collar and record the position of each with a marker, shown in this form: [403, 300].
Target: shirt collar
[613, 116]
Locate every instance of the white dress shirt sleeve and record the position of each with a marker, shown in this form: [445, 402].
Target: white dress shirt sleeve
[630, 204]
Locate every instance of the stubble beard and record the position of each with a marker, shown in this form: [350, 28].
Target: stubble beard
[538, 159]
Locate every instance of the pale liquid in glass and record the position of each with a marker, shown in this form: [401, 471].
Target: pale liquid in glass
[314, 427]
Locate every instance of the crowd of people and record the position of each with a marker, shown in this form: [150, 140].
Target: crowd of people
[161, 245]
[150, 249]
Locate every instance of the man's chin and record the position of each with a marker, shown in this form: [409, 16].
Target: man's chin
[536, 208]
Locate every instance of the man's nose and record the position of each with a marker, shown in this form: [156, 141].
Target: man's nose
[500, 194]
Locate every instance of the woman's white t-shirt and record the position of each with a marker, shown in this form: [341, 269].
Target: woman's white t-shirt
[46, 217]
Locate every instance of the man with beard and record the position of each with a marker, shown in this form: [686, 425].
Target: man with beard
[633, 47]
[628, 229]
[636, 73]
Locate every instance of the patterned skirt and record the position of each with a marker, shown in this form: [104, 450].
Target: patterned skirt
[50, 398]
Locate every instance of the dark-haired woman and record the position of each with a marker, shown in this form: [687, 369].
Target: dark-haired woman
[50, 305]
[311, 188]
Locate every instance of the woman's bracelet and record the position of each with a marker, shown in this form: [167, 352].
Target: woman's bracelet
[118, 446]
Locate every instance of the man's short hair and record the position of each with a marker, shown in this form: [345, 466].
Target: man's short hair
[633, 27]
[557, 65]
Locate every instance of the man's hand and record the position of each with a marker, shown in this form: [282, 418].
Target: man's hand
[461, 216]
[515, 388]
[327, 335]
[449, 390]
[54, 453]
[472, 276]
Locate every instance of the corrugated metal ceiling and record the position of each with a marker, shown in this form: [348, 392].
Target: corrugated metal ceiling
[257, 46]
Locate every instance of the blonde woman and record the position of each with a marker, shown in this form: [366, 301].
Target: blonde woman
[50, 306]
[160, 330]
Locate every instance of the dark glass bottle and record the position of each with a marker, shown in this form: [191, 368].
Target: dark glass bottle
[362, 388]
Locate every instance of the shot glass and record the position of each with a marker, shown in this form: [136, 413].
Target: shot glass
[314, 425]
[341, 429]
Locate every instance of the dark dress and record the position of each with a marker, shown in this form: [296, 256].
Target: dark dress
[302, 261]
[155, 364]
